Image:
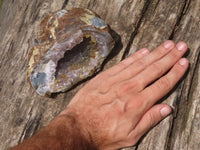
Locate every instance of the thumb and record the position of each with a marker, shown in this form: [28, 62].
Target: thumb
[150, 119]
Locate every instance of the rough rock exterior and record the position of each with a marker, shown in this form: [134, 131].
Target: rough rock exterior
[70, 46]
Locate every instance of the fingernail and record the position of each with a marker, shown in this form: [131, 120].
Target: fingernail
[168, 44]
[181, 46]
[165, 111]
[183, 62]
[144, 51]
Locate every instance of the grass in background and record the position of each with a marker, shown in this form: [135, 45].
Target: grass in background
[0, 3]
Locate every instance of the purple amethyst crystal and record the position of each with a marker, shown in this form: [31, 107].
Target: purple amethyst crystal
[71, 45]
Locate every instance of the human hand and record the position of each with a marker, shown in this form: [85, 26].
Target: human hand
[117, 106]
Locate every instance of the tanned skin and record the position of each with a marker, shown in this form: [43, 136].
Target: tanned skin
[117, 107]
[62, 133]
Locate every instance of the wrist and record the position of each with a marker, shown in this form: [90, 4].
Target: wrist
[70, 134]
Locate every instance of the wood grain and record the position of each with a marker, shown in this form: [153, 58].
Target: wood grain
[157, 25]
[186, 125]
[136, 24]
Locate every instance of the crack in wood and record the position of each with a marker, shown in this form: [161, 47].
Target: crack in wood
[25, 127]
[187, 6]
[31, 126]
[182, 13]
[156, 5]
[192, 76]
[187, 96]
[65, 4]
[168, 146]
[190, 131]
[23, 19]
[177, 105]
[196, 66]
[134, 33]
[190, 91]
[91, 4]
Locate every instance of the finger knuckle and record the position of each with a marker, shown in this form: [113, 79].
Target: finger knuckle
[178, 70]
[136, 55]
[161, 51]
[158, 68]
[130, 72]
[104, 87]
[138, 84]
[164, 83]
[130, 142]
[133, 138]
[133, 56]
[103, 82]
[101, 77]
[133, 85]
[122, 64]
[174, 55]
[122, 89]
[141, 62]
[152, 119]
[138, 103]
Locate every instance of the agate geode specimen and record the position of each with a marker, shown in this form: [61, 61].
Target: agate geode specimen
[70, 46]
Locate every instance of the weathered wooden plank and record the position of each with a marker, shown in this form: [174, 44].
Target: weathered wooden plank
[157, 26]
[18, 117]
[185, 133]
[186, 126]
[140, 23]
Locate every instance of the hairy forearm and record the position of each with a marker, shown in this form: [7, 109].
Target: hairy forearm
[62, 133]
